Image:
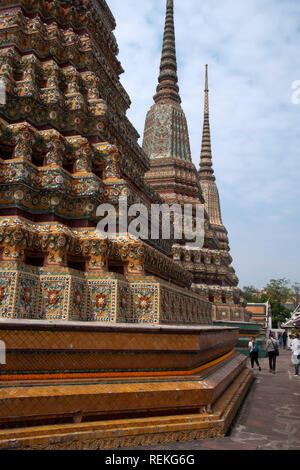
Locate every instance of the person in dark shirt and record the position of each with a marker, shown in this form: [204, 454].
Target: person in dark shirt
[272, 347]
[284, 339]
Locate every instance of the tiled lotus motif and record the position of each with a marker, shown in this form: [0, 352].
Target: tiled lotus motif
[28, 288]
[101, 302]
[145, 304]
[53, 296]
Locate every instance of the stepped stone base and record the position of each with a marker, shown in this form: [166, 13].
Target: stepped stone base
[73, 385]
[124, 433]
[67, 350]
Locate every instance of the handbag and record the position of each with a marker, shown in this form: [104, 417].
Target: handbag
[276, 349]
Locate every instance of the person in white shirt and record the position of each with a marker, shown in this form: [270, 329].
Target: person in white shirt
[253, 349]
[295, 346]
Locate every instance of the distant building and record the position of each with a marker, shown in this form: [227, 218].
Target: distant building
[294, 322]
[261, 314]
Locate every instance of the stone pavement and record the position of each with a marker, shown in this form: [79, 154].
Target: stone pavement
[269, 418]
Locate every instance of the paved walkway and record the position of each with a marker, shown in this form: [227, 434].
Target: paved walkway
[269, 418]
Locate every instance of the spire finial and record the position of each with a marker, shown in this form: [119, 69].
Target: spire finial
[206, 170]
[206, 91]
[167, 90]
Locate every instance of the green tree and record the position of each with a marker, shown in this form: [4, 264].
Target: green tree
[253, 295]
[296, 293]
[278, 292]
[250, 293]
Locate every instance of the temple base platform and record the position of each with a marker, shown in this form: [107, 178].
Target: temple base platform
[80, 386]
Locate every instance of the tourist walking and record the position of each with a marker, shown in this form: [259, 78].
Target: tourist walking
[272, 347]
[295, 345]
[254, 350]
[284, 339]
[280, 340]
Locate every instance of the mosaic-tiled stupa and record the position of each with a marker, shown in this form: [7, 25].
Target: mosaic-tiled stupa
[107, 343]
[223, 292]
[67, 147]
[229, 306]
[174, 176]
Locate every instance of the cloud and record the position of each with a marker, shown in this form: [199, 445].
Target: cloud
[252, 49]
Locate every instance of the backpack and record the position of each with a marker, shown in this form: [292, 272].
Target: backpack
[256, 348]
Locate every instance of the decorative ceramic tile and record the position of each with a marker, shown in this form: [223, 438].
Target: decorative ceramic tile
[27, 296]
[78, 300]
[7, 289]
[123, 310]
[144, 303]
[101, 301]
[54, 294]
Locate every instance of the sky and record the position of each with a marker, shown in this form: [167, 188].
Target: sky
[252, 51]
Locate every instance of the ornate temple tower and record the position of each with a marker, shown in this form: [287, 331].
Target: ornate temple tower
[173, 175]
[235, 308]
[207, 177]
[117, 315]
[166, 138]
[66, 147]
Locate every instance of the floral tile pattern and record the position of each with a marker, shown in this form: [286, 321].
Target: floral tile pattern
[28, 288]
[7, 287]
[101, 301]
[54, 292]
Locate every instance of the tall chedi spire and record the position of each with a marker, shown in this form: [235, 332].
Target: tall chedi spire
[228, 301]
[174, 176]
[206, 166]
[167, 89]
[166, 137]
[207, 177]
